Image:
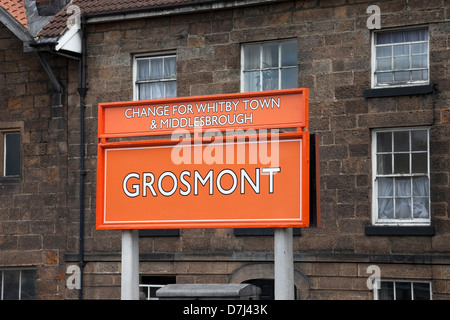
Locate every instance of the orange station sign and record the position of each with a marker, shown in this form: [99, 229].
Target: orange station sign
[246, 179]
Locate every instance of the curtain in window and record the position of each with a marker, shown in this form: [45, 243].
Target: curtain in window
[402, 36]
[270, 66]
[401, 56]
[156, 78]
[421, 197]
[385, 200]
[395, 200]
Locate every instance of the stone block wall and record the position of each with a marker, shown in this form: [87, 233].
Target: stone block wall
[334, 60]
[33, 207]
[39, 215]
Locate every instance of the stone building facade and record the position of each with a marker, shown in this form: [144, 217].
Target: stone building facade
[357, 115]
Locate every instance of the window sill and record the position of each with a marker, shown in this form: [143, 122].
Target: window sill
[398, 91]
[10, 179]
[399, 230]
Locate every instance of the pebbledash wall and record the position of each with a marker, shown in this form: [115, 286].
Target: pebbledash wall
[334, 62]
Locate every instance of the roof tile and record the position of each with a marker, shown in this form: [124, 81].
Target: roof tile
[58, 23]
[16, 8]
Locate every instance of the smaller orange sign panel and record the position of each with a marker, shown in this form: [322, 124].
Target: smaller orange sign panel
[238, 184]
[269, 109]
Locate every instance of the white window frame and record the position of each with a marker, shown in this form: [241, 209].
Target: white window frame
[375, 85]
[375, 175]
[149, 56]
[261, 68]
[376, 291]
[150, 288]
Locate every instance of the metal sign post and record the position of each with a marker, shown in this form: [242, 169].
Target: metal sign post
[130, 265]
[284, 264]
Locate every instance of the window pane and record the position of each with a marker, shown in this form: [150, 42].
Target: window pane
[10, 284]
[402, 36]
[401, 50]
[421, 187]
[421, 208]
[419, 48]
[401, 163]
[401, 63]
[156, 68]
[385, 77]
[251, 81]
[387, 291]
[402, 208]
[384, 164]
[157, 90]
[384, 37]
[385, 187]
[289, 53]
[419, 163]
[385, 208]
[171, 89]
[383, 64]
[403, 187]
[419, 61]
[385, 51]
[401, 76]
[12, 154]
[419, 75]
[421, 291]
[417, 35]
[270, 80]
[403, 290]
[251, 56]
[144, 91]
[401, 141]
[419, 140]
[289, 78]
[143, 70]
[270, 55]
[28, 290]
[384, 141]
[170, 68]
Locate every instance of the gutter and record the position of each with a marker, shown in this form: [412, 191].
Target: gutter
[173, 9]
[48, 46]
[82, 90]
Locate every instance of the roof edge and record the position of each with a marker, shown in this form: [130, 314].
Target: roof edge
[166, 10]
[15, 26]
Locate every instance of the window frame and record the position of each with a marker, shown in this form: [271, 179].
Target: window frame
[19, 283]
[3, 153]
[375, 177]
[149, 56]
[412, 83]
[377, 291]
[261, 69]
